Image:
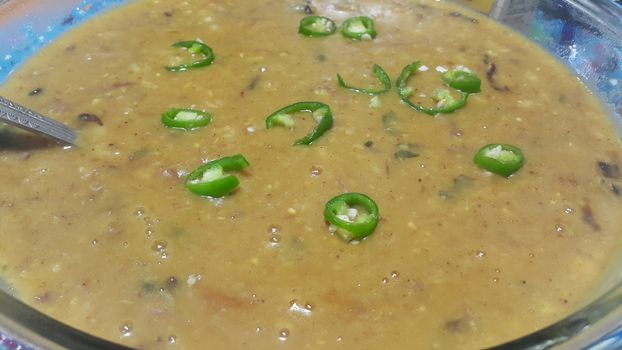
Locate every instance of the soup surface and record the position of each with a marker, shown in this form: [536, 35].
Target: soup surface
[107, 238]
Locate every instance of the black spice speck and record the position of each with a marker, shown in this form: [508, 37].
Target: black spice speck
[490, 75]
[589, 219]
[615, 189]
[90, 118]
[36, 91]
[610, 170]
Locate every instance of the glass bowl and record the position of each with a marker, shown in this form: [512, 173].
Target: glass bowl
[585, 35]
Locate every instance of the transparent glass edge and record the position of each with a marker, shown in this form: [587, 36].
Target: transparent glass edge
[597, 61]
[22, 327]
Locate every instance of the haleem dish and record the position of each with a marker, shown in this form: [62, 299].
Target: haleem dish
[320, 174]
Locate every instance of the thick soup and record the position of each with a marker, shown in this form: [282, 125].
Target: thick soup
[121, 238]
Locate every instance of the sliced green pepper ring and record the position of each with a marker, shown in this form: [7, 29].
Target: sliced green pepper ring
[210, 179]
[359, 28]
[354, 215]
[185, 118]
[321, 113]
[462, 80]
[499, 158]
[382, 76]
[195, 48]
[313, 26]
[446, 103]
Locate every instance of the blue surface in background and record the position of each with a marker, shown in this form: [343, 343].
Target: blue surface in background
[595, 57]
[598, 60]
[26, 41]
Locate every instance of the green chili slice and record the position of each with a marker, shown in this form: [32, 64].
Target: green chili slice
[382, 76]
[321, 113]
[185, 118]
[210, 179]
[355, 215]
[501, 159]
[446, 103]
[313, 26]
[195, 48]
[359, 28]
[462, 80]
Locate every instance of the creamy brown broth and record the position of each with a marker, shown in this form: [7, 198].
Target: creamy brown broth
[106, 237]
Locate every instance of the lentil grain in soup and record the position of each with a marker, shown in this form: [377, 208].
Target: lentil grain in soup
[461, 257]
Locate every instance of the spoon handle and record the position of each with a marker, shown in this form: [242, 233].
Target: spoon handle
[22, 117]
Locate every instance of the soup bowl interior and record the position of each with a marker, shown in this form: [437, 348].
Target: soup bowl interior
[584, 35]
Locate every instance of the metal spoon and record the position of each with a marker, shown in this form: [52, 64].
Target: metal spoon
[22, 117]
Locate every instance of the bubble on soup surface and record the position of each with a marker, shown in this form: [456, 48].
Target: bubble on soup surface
[159, 246]
[283, 334]
[126, 329]
[172, 280]
[193, 279]
[299, 309]
[140, 211]
[275, 239]
[96, 186]
[274, 228]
